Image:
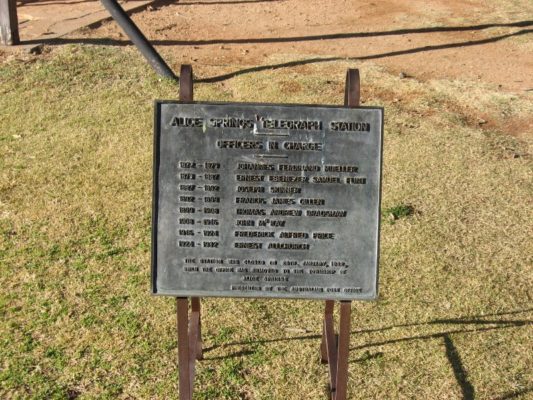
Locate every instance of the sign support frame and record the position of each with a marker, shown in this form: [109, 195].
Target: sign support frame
[189, 328]
[334, 349]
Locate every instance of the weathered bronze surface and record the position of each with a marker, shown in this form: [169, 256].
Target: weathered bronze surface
[255, 200]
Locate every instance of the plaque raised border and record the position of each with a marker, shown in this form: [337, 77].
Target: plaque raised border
[314, 293]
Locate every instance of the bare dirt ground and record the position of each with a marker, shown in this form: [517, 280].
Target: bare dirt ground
[476, 41]
[46, 19]
[479, 40]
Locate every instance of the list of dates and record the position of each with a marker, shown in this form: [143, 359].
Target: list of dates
[266, 201]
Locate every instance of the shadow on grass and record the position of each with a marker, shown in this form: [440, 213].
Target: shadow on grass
[514, 394]
[232, 355]
[439, 335]
[459, 371]
[467, 320]
[451, 351]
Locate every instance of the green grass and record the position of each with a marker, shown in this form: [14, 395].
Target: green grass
[75, 195]
[398, 211]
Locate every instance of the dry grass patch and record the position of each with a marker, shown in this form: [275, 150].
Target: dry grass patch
[454, 318]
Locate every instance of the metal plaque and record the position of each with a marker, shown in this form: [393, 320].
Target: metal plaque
[259, 200]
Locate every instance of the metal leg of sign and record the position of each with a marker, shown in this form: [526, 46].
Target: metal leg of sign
[186, 84]
[352, 92]
[189, 327]
[196, 326]
[335, 349]
[187, 94]
[189, 344]
[184, 359]
[328, 320]
[343, 351]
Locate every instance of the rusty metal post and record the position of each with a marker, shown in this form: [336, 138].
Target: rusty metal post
[352, 92]
[9, 29]
[187, 94]
[331, 347]
[186, 85]
[328, 315]
[189, 344]
[184, 358]
[196, 326]
[335, 350]
[343, 351]
[189, 329]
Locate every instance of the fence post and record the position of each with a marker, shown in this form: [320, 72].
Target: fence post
[9, 30]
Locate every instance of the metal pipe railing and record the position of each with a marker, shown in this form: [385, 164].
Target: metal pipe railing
[138, 39]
